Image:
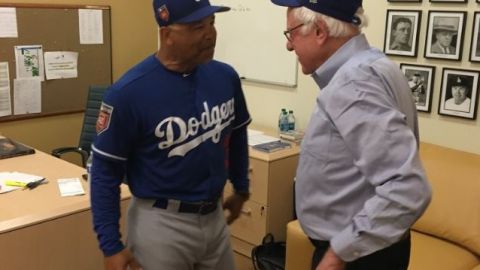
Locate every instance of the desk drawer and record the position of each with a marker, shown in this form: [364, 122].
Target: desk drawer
[242, 247]
[251, 225]
[258, 175]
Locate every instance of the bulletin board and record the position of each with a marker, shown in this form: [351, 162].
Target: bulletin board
[250, 38]
[56, 28]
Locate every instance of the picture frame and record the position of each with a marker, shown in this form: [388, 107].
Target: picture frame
[475, 41]
[459, 93]
[402, 30]
[449, 1]
[445, 35]
[420, 79]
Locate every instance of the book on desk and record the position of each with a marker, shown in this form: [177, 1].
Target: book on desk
[10, 148]
[272, 146]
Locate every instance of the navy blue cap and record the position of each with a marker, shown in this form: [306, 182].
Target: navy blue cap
[343, 10]
[168, 12]
[460, 81]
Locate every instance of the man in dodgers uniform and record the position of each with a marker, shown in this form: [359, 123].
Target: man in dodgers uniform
[176, 126]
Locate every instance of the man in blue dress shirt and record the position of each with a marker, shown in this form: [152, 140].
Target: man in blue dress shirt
[360, 182]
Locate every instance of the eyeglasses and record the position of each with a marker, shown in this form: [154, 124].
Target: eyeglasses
[288, 33]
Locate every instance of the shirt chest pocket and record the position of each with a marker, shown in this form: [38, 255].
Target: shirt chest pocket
[322, 140]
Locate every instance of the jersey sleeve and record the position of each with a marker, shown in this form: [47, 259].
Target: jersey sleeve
[238, 173]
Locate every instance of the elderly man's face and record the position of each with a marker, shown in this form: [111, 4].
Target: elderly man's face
[444, 38]
[459, 93]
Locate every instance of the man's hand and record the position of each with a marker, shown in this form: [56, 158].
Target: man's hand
[234, 204]
[331, 261]
[123, 260]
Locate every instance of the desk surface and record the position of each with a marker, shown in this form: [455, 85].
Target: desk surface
[21, 208]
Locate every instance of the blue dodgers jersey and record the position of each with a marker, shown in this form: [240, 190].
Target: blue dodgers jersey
[172, 130]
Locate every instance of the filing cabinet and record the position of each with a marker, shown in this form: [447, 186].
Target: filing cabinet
[270, 206]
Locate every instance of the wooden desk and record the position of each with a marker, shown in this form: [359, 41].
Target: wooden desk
[41, 230]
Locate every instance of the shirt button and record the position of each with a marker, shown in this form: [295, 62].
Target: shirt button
[356, 253]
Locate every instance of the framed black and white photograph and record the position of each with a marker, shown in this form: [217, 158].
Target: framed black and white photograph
[420, 80]
[445, 35]
[401, 32]
[475, 45]
[459, 93]
[449, 1]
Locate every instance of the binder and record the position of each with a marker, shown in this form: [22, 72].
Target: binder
[10, 148]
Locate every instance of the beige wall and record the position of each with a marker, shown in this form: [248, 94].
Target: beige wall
[133, 37]
[265, 101]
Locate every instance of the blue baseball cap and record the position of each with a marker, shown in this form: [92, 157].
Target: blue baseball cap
[343, 10]
[168, 12]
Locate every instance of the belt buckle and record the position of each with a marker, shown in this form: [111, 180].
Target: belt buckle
[204, 208]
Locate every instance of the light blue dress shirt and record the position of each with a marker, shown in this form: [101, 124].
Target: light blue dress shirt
[360, 182]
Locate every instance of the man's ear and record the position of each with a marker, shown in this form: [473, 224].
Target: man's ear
[321, 32]
[164, 33]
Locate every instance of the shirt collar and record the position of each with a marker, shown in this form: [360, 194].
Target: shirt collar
[327, 70]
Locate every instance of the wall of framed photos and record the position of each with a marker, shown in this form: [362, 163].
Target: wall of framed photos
[437, 45]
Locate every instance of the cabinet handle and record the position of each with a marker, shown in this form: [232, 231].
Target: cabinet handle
[247, 212]
[250, 169]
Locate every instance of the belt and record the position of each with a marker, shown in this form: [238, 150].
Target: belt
[319, 243]
[202, 208]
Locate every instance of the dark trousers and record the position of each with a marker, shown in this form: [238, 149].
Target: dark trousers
[394, 257]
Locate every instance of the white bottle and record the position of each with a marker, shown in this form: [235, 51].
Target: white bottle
[89, 166]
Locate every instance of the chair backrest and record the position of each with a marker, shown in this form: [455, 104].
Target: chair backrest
[94, 100]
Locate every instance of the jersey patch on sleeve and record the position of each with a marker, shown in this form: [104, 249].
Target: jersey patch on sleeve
[104, 117]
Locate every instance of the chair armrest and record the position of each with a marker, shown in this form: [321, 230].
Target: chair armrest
[299, 248]
[58, 152]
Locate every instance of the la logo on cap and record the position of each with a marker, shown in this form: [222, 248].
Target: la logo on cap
[163, 13]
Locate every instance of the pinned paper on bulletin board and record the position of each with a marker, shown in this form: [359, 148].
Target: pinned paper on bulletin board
[61, 65]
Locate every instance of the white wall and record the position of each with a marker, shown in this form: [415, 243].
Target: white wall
[265, 101]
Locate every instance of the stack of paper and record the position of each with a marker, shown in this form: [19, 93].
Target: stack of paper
[256, 137]
[15, 177]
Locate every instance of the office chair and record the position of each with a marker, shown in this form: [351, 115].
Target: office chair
[88, 134]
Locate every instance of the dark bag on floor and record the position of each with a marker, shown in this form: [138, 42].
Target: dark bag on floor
[270, 255]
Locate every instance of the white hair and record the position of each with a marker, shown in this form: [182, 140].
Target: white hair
[336, 28]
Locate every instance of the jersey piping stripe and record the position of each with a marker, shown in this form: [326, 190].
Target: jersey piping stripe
[107, 154]
[243, 124]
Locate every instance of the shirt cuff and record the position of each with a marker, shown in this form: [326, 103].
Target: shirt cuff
[347, 246]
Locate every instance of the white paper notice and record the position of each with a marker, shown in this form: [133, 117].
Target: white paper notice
[29, 61]
[5, 103]
[91, 26]
[70, 187]
[61, 65]
[27, 96]
[8, 22]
